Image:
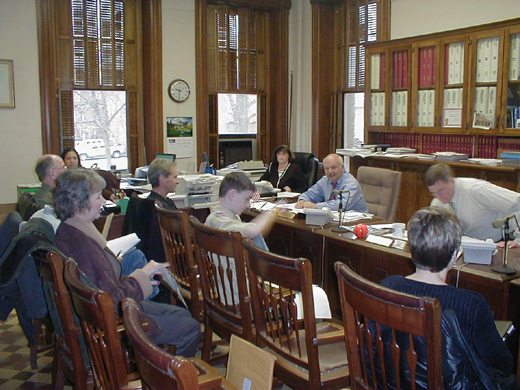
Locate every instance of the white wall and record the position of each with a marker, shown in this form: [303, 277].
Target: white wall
[178, 21]
[20, 127]
[416, 17]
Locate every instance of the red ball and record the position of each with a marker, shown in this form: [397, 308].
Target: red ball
[361, 230]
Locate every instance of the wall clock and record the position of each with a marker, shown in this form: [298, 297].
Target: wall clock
[179, 90]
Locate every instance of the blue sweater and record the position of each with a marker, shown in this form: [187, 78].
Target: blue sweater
[474, 315]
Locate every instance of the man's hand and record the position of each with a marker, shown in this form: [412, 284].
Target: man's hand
[304, 204]
[511, 244]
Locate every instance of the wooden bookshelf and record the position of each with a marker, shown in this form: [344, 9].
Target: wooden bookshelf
[454, 91]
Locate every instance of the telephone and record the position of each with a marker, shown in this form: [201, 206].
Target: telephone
[318, 216]
[265, 188]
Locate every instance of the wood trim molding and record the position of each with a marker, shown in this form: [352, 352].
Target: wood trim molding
[322, 77]
[46, 11]
[152, 79]
[202, 87]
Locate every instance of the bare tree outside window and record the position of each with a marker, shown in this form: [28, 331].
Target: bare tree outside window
[237, 114]
[100, 128]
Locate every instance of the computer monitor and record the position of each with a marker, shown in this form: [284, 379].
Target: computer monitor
[166, 156]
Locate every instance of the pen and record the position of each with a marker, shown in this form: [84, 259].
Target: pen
[119, 253]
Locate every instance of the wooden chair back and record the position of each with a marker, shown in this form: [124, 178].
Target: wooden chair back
[159, 369]
[178, 250]
[382, 330]
[308, 354]
[220, 258]
[68, 356]
[97, 314]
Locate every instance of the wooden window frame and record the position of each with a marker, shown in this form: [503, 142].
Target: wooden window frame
[328, 87]
[143, 74]
[271, 83]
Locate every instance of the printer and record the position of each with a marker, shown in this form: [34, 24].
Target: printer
[198, 188]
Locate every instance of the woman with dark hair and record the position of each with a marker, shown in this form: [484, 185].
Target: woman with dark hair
[78, 201]
[71, 158]
[283, 173]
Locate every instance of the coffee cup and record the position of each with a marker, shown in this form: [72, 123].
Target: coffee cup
[398, 229]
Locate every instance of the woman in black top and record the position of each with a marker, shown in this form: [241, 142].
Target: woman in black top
[283, 173]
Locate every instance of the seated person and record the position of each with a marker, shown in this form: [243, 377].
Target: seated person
[78, 201]
[434, 236]
[326, 191]
[235, 195]
[71, 158]
[283, 173]
[162, 175]
[48, 168]
[477, 203]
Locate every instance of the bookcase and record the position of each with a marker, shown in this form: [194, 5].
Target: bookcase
[453, 91]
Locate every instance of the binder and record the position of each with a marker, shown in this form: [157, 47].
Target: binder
[430, 107]
[479, 75]
[493, 63]
[404, 83]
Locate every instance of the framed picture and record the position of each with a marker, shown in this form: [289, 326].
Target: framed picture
[6, 84]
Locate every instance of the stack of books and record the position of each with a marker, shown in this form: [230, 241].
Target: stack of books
[510, 157]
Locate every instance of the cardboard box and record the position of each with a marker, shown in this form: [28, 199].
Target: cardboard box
[249, 367]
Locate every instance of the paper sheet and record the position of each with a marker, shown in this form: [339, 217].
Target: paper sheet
[379, 240]
[124, 244]
[321, 303]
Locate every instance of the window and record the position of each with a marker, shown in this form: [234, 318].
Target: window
[237, 114]
[365, 21]
[100, 128]
[92, 46]
[237, 48]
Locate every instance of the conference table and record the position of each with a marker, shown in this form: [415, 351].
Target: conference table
[323, 247]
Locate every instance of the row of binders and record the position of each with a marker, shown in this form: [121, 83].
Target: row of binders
[485, 100]
[454, 65]
[377, 109]
[399, 108]
[514, 58]
[377, 71]
[427, 66]
[487, 59]
[425, 108]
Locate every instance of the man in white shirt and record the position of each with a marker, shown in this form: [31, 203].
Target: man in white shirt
[477, 203]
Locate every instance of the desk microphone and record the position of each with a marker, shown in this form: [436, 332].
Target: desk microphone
[339, 192]
[498, 223]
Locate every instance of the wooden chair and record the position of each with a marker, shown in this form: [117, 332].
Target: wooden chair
[68, 361]
[161, 370]
[309, 355]
[378, 351]
[220, 258]
[97, 314]
[178, 249]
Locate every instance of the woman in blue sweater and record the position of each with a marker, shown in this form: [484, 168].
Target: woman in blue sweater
[434, 236]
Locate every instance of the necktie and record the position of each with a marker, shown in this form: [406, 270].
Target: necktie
[332, 196]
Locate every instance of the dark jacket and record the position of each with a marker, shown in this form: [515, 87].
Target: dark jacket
[293, 177]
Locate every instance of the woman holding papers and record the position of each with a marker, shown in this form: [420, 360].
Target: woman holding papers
[78, 201]
[283, 173]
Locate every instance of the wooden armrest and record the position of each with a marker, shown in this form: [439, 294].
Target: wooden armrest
[329, 338]
[209, 377]
[134, 385]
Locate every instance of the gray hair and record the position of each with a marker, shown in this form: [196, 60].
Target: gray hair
[44, 164]
[73, 189]
[159, 167]
[434, 235]
[437, 172]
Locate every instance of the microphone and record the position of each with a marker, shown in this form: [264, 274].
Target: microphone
[498, 223]
[338, 192]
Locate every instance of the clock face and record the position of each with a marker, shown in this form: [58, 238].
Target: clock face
[179, 90]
